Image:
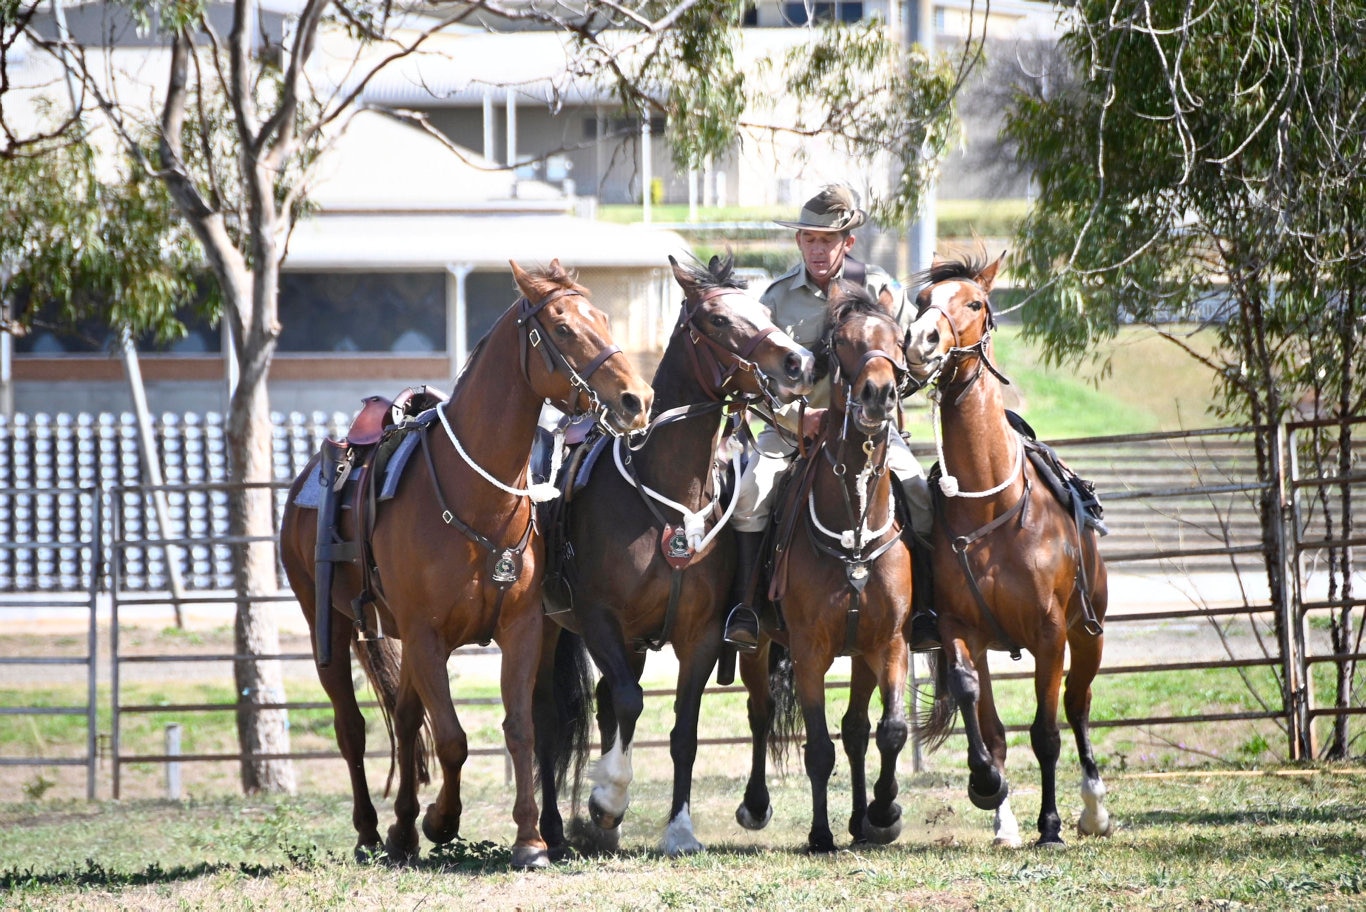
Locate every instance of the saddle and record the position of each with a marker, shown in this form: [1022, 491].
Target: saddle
[1074, 493]
[350, 471]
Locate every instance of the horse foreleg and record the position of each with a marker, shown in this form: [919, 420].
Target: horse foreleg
[520, 638]
[987, 786]
[350, 729]
[883, 822]
[549, 733]
[696, 659]
[424, 660]
[820, 749]
[1086, 652]
[854, 731]
[1006, 828]
[620, 703]
[755, 811]
[401, 844]
[1044, 738]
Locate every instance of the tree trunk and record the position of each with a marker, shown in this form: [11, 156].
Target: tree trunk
[260, 731]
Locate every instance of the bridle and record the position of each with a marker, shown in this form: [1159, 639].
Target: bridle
[837, 371]
[955, 355]
[535, 336]
[715, 365]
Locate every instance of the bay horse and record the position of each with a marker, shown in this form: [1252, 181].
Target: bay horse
[1013, 568]
[457, 555]
[652, 552]
[842, 579]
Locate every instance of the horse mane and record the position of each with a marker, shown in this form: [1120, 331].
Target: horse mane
[967, 266]
[545, 279]
[847, 299]
[719, 273]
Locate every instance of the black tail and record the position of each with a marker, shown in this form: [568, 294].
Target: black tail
[786, 723]
[380, 659]
[936, 722]
[573, 688]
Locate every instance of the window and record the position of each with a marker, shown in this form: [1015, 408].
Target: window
[797, 13]
[363, 312]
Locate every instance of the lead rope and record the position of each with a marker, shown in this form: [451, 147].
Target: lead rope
[693, 522]
[948, 483]
[539, 493]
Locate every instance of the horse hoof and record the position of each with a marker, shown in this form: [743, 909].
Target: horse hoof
[1007, 842]
[369, 852]
[820, 845]
[746, 818]
[882, 835]
[526, 858]
[437, 834]
[1100, 824]
[989, 801]
[1050, 843]
[398, 855]
[604, 818]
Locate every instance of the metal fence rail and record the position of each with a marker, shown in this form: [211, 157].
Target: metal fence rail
[83, 549]
[1177, 503]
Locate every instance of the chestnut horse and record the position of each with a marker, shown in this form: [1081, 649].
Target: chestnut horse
[652, 554]
[457, 555]
[1012, 567]
[843, 581]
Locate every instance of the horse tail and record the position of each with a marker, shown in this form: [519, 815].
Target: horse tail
[786, 723]
[936, 721]
[380, 658]
[573, 687]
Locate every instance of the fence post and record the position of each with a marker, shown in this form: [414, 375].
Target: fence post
[1294, 670]
[92, 723]
[173, 766]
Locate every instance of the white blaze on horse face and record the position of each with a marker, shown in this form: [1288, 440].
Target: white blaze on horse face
[748, 308]
[611, 778]
[942, 295]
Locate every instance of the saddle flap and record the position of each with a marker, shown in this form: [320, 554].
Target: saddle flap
[368, 425]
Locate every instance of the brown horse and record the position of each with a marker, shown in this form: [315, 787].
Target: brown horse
[652, 553]
[457, 556]
[1013, 568]
[847, 582]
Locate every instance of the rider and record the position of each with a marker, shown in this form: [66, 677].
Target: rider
[799, 302]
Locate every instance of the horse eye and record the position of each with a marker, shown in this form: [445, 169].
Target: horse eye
[563, 331]
[719, 321]
[976, 305]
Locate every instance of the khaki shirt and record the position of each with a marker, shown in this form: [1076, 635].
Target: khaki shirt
[799, 308]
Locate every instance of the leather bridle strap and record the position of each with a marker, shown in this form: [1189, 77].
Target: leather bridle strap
[714, 376]
[535, 336]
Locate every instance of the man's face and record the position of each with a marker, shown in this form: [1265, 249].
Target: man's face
[823, 253]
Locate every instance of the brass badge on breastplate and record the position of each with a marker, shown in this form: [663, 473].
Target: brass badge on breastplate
[505, 568]
[675, 546]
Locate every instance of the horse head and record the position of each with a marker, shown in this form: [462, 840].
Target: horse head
[954, 315]
[864, 357]
[580, 369]
[739, 350]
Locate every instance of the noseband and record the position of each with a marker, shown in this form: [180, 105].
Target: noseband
[953, 357]
[716, 365]
[535, 336]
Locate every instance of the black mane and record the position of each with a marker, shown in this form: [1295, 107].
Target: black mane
[968, 266]
[719, 273]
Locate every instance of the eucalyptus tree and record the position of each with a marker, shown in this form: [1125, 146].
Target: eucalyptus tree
[1206, 162]
[237, 124]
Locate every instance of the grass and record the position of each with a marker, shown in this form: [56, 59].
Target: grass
[1203, 841]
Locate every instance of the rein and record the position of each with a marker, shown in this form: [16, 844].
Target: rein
[535, 336]
[850, 545]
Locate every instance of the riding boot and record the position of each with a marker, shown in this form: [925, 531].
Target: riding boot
[742, 626]
[924, 619]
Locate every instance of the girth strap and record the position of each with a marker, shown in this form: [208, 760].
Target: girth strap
[960, 545]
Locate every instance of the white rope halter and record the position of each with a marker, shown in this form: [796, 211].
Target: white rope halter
[539, 493]
[948, 483]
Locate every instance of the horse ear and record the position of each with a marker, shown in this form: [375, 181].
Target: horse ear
[884, 297]
[523, 280]
[987, 277]
[681, 275]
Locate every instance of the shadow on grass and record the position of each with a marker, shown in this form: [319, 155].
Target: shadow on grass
[94, 874]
